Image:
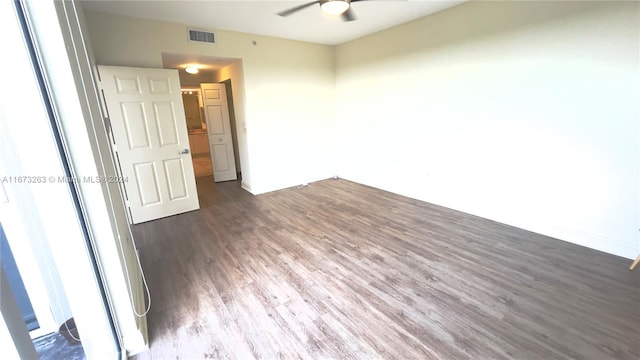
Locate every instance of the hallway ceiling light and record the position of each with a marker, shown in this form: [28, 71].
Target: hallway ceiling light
[191, 70]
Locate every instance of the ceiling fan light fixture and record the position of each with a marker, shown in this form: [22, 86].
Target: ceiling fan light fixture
[334, 7]
[191, 69]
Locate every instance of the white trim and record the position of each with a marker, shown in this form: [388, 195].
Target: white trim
[21, 221]
[247, 187]
[68, 64]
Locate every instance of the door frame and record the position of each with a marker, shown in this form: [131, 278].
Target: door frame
[46, 209]
[228, 85]
[102, 202]
[97, 262]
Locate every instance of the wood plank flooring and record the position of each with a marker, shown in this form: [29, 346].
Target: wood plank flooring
[338, 270]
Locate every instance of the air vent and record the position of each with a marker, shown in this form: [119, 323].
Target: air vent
[202, 36]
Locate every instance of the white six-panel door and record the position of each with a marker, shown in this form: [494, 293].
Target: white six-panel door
[151, 141]
[216, 114]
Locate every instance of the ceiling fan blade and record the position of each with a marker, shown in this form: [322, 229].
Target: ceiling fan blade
[297, 8]
[348, 15]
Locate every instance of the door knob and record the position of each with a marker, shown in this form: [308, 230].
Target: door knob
[183, 152]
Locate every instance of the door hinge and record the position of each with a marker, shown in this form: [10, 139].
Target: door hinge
[105, 109]
[97, 70]
[107, 124]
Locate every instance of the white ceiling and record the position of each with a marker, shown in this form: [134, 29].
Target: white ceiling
[259, 17]
[204, 63]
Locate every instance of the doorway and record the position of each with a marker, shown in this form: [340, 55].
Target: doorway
[234, 127]
[197, 129]
[200, 137]
[228, 73]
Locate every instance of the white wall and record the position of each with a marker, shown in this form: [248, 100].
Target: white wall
[289, 91]
[521, 112]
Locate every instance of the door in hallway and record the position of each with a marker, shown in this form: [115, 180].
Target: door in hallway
[216, 113]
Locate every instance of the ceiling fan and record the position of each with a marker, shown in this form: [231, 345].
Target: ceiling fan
[330, 7]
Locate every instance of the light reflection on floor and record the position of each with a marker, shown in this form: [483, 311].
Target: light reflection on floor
[202, 165]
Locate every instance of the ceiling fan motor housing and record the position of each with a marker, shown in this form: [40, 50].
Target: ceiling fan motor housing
[326, 1]
[335, 7]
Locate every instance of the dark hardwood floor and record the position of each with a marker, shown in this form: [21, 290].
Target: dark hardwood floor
[340, 270]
